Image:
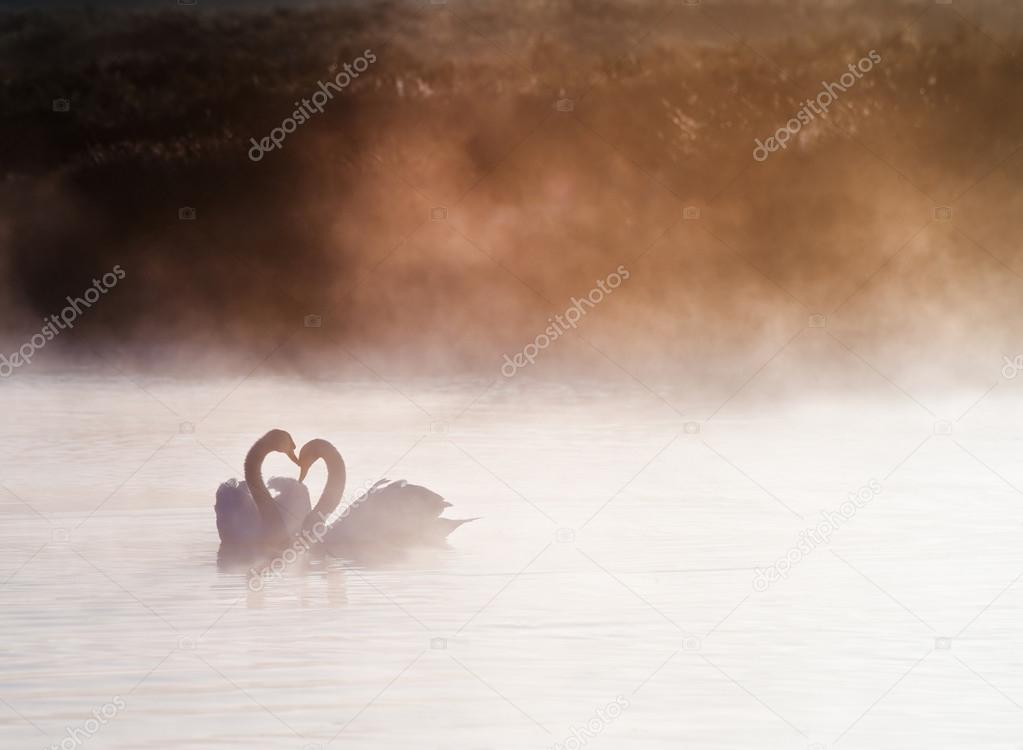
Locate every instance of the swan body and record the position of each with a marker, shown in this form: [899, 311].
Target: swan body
[238, 521]
[396, 514]
[389, 516]
[251, 521]
[238, 518]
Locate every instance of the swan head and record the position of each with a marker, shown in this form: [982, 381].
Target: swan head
[312, 452]
[282, 442]
[306, 458]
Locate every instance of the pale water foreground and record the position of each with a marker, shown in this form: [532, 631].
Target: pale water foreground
[615, 561]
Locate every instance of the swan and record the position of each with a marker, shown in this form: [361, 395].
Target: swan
[388, 515]
[249, 519]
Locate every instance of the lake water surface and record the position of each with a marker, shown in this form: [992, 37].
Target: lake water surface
[605, 599]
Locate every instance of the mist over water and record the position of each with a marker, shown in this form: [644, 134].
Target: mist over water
[441, 208]
[741, 434]
[618, 555]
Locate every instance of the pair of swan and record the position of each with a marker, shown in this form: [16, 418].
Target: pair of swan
[252, 522]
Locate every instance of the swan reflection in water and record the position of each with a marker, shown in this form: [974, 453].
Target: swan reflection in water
[312, 581]
[318, 580]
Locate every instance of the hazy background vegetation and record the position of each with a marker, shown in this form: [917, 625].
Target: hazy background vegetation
[459, 112]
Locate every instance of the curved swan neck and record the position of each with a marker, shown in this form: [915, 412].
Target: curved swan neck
[337, 477]
[257, 487]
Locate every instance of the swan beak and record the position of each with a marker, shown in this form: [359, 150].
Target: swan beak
[303, 471]
[293, 457]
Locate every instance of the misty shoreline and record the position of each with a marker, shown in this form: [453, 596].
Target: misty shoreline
[341, 222]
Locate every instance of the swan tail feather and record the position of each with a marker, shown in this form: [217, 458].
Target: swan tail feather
[447, 525]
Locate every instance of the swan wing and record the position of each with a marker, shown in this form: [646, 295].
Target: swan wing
[292, 498]
[392, 513]
[411, 496]
[238, 520]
